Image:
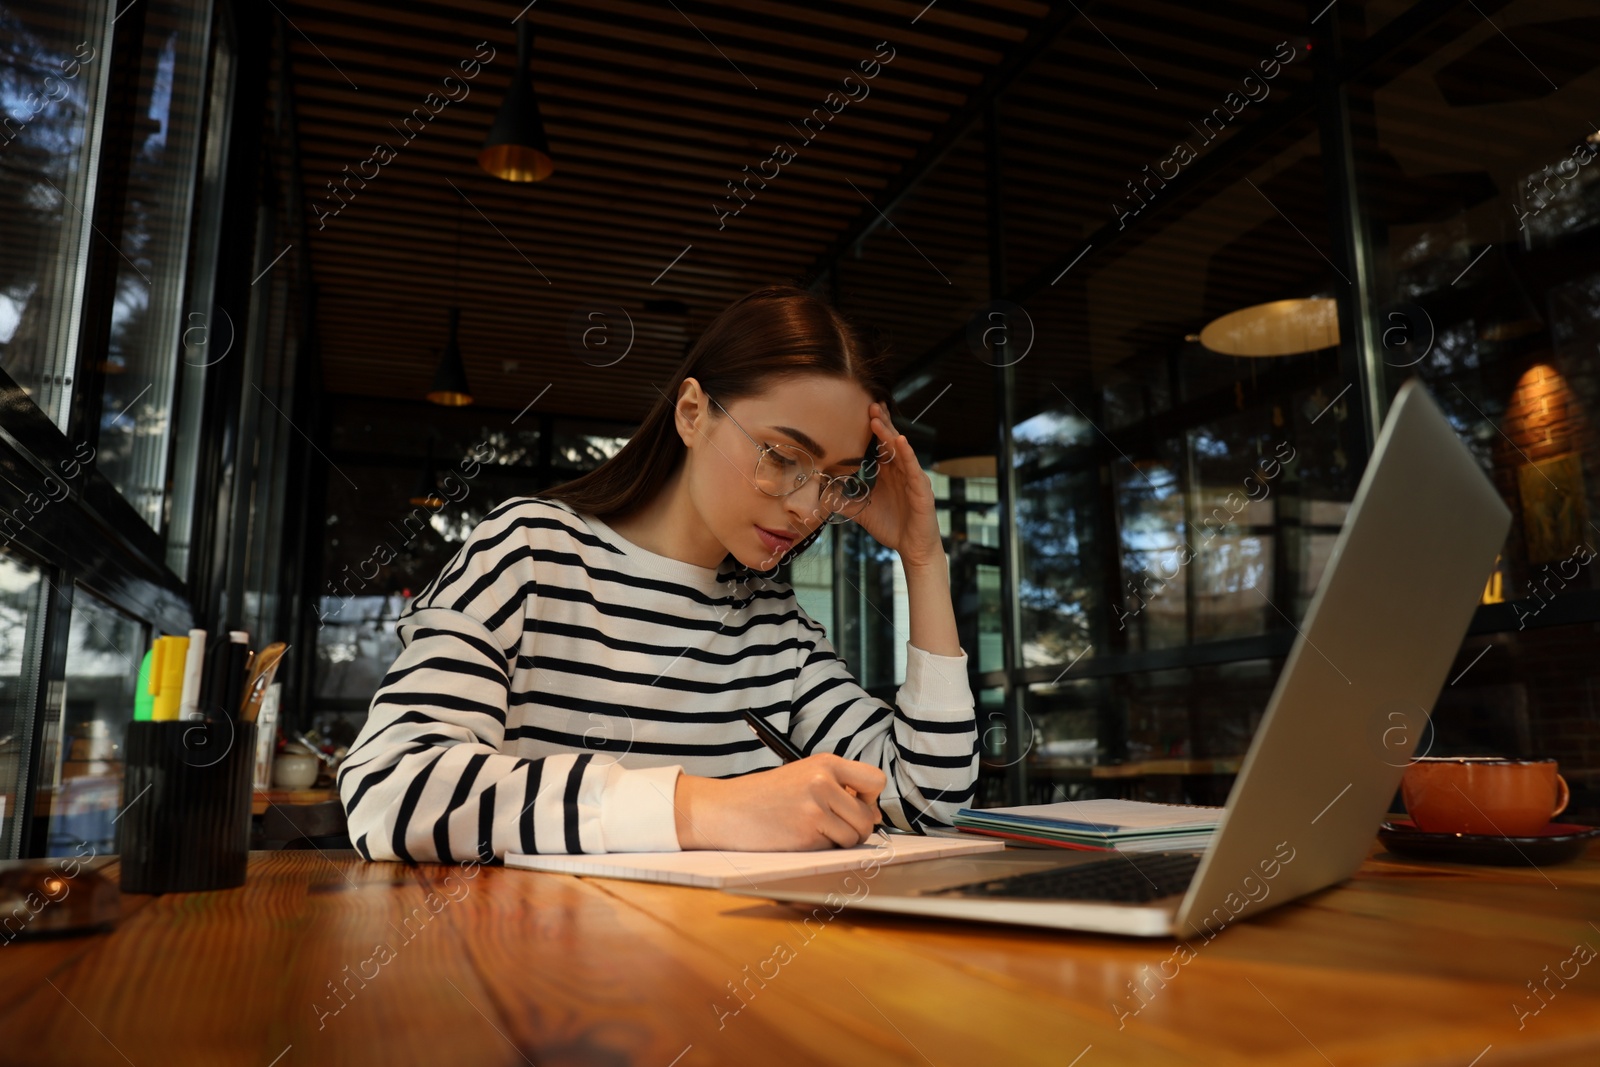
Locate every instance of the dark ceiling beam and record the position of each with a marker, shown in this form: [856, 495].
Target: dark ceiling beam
[1018, 61]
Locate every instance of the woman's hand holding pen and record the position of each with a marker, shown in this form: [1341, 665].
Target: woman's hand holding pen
[816, 802]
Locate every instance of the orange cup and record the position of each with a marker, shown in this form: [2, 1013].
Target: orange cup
[1483, 794]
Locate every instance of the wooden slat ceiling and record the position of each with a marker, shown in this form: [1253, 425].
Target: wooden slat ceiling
[650, 110]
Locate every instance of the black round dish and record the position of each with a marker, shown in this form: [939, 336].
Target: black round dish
[1555, 843]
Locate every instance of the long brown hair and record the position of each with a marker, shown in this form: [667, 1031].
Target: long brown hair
[775, 333]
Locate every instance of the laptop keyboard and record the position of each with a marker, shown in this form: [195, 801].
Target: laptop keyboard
[1126, 878]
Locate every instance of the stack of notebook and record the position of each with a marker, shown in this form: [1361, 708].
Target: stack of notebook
[1106, 825]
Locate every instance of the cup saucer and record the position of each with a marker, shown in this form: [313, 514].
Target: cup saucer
[1554, 842]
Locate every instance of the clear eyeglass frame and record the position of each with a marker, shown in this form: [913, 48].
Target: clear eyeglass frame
[798, 455]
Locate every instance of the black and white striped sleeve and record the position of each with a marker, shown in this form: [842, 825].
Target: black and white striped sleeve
[926, 744]
[427, 778]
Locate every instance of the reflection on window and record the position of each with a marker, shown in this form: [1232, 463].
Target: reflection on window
[84, 788]
[20, 586]
[575, 448]
[52, 67]
[147, 310]
[1155, 577]
[356, 646]
[811, 578]
[1486, 278]
[873, 587]
[1058, 507]
[967, 499]
[208, 331]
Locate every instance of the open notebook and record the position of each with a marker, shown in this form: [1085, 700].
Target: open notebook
[714, 869]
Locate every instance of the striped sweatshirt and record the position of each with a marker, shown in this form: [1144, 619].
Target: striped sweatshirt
[555, 679]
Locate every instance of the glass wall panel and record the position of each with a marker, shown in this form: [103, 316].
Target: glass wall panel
[53, 60]
[278, 439]
[969, 520]
[384, 539]
[1480, 186]
[1482, 195]
[356, 647]
[21, 614]
[153, 246]
[1178, 485]
[582, 446]
[876, 624]
[84, 790]
[209, 333]
[1059, 513]
[811, 577]
[1175, 492]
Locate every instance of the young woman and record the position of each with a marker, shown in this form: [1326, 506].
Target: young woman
[574, 679]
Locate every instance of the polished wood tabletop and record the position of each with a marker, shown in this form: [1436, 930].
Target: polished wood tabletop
[323, 958]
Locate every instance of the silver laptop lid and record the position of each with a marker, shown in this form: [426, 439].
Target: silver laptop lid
[1382, 629]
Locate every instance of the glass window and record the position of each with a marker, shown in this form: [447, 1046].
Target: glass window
[454, 436]
[380, 549]
[1480, 184]
[1176, 486]
[873, 590]
[969, 520]
[1479, 180]
[20, 610]
[1059, 538]
[355, 647]
[583, 446]
[153, 243]
[811, 577]
[209, 333]
[53, 59]
[81, 786]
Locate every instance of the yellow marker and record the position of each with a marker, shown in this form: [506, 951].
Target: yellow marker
[166, 677]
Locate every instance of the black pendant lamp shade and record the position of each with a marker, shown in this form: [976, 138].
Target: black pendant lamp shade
[450, 380]
[426, 492]
[516, 148]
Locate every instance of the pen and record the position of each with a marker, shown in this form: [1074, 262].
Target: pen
[788, 753]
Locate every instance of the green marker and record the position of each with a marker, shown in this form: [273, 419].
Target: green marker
[143, 701]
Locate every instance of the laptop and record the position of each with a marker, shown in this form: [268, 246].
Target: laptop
[1369, 660]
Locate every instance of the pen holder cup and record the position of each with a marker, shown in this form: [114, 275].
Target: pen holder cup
[185, 822]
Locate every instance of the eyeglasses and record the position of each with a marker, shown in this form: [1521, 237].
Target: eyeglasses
[781, 469]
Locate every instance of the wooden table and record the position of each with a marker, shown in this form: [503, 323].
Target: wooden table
[1403, 964]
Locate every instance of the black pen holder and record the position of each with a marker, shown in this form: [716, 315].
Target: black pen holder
[185, 821]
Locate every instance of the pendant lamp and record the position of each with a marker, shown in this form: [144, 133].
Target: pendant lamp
[450, 387]
[516, 148]
[426, 492]
[1279, 328]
